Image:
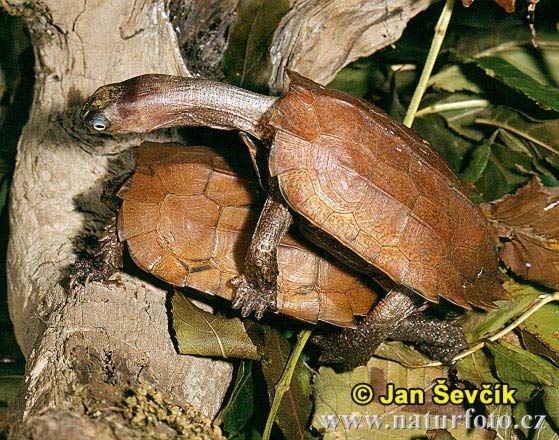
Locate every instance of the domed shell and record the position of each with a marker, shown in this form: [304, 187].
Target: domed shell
[382, 192]
[188, 219]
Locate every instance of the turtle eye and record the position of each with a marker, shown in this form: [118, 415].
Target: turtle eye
[99, 123]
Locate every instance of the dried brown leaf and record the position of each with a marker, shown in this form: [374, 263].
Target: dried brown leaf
[526, 221]
[507, 5]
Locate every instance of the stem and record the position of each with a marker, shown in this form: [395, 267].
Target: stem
[541, 301]
[446, 106]
[517, 132]
[440, 31]
[282, 386]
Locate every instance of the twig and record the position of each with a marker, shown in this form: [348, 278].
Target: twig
[282, 386]
[440, 32]
[541, 301]
[516, 131]
[446, 106]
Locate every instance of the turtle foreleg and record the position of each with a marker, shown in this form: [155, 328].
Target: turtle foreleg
[438, 339]
[107, 257]
[106, 260]
[256, 289]
[354, 347]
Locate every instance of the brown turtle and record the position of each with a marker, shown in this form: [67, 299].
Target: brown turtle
[187, 218]
[363, 186]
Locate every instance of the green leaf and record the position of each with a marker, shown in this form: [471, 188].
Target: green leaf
[541, 63]
[478, 163]
[521, 369]
[9, 387]
[333, 403]
[296, 405]
[476, 369]
[550, 398]
[504, 411]
[544, 134]
[454, 79]
[513, 142]
[246, 62]
[545, 432]
[503, 173]
[452, 147]
[545, 96]
[240, 405]
[460, 119]
[203, 334]
[402, 353]
[358, 78]
[478, 323]
[543, 326]
[510, 44]
[439, 434]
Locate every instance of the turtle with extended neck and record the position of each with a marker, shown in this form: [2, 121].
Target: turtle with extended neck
[360, 184]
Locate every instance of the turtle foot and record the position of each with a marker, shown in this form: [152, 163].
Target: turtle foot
[104, 262]
[87, 270]
[346, 348]
[249, 299]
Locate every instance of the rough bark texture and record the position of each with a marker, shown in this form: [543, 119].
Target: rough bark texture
[316, 38]
[202, 28]
[80, 45]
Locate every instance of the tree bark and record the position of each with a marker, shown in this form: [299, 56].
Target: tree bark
[101, 337]
[317, 38]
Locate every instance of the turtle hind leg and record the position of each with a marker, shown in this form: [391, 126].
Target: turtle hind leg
[256, 288]
[354, 347]
[105, 261]
[440, 340]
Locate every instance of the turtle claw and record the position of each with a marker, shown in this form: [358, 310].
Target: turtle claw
[249, 299]
[104, 262]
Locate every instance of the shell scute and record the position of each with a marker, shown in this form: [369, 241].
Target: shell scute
[198, 215]
[344, 224]
[381, 217]
[200, 240]
[188, 180]
[392, 262]
[409, 207]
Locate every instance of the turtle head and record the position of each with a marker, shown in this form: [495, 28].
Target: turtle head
[147, 102]
[137, 105]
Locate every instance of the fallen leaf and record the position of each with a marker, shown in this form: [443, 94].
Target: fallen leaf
[476, 369]
[240, 405]
[480, 323]
[203, 334]
[338, 416]
[521, 369]
[526, 221]
[544, 432]
[296, 405]
[542, 326]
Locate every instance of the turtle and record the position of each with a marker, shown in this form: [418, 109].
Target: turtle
[187, 217]
[358, 183]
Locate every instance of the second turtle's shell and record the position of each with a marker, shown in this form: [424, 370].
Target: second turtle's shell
[188, 219]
